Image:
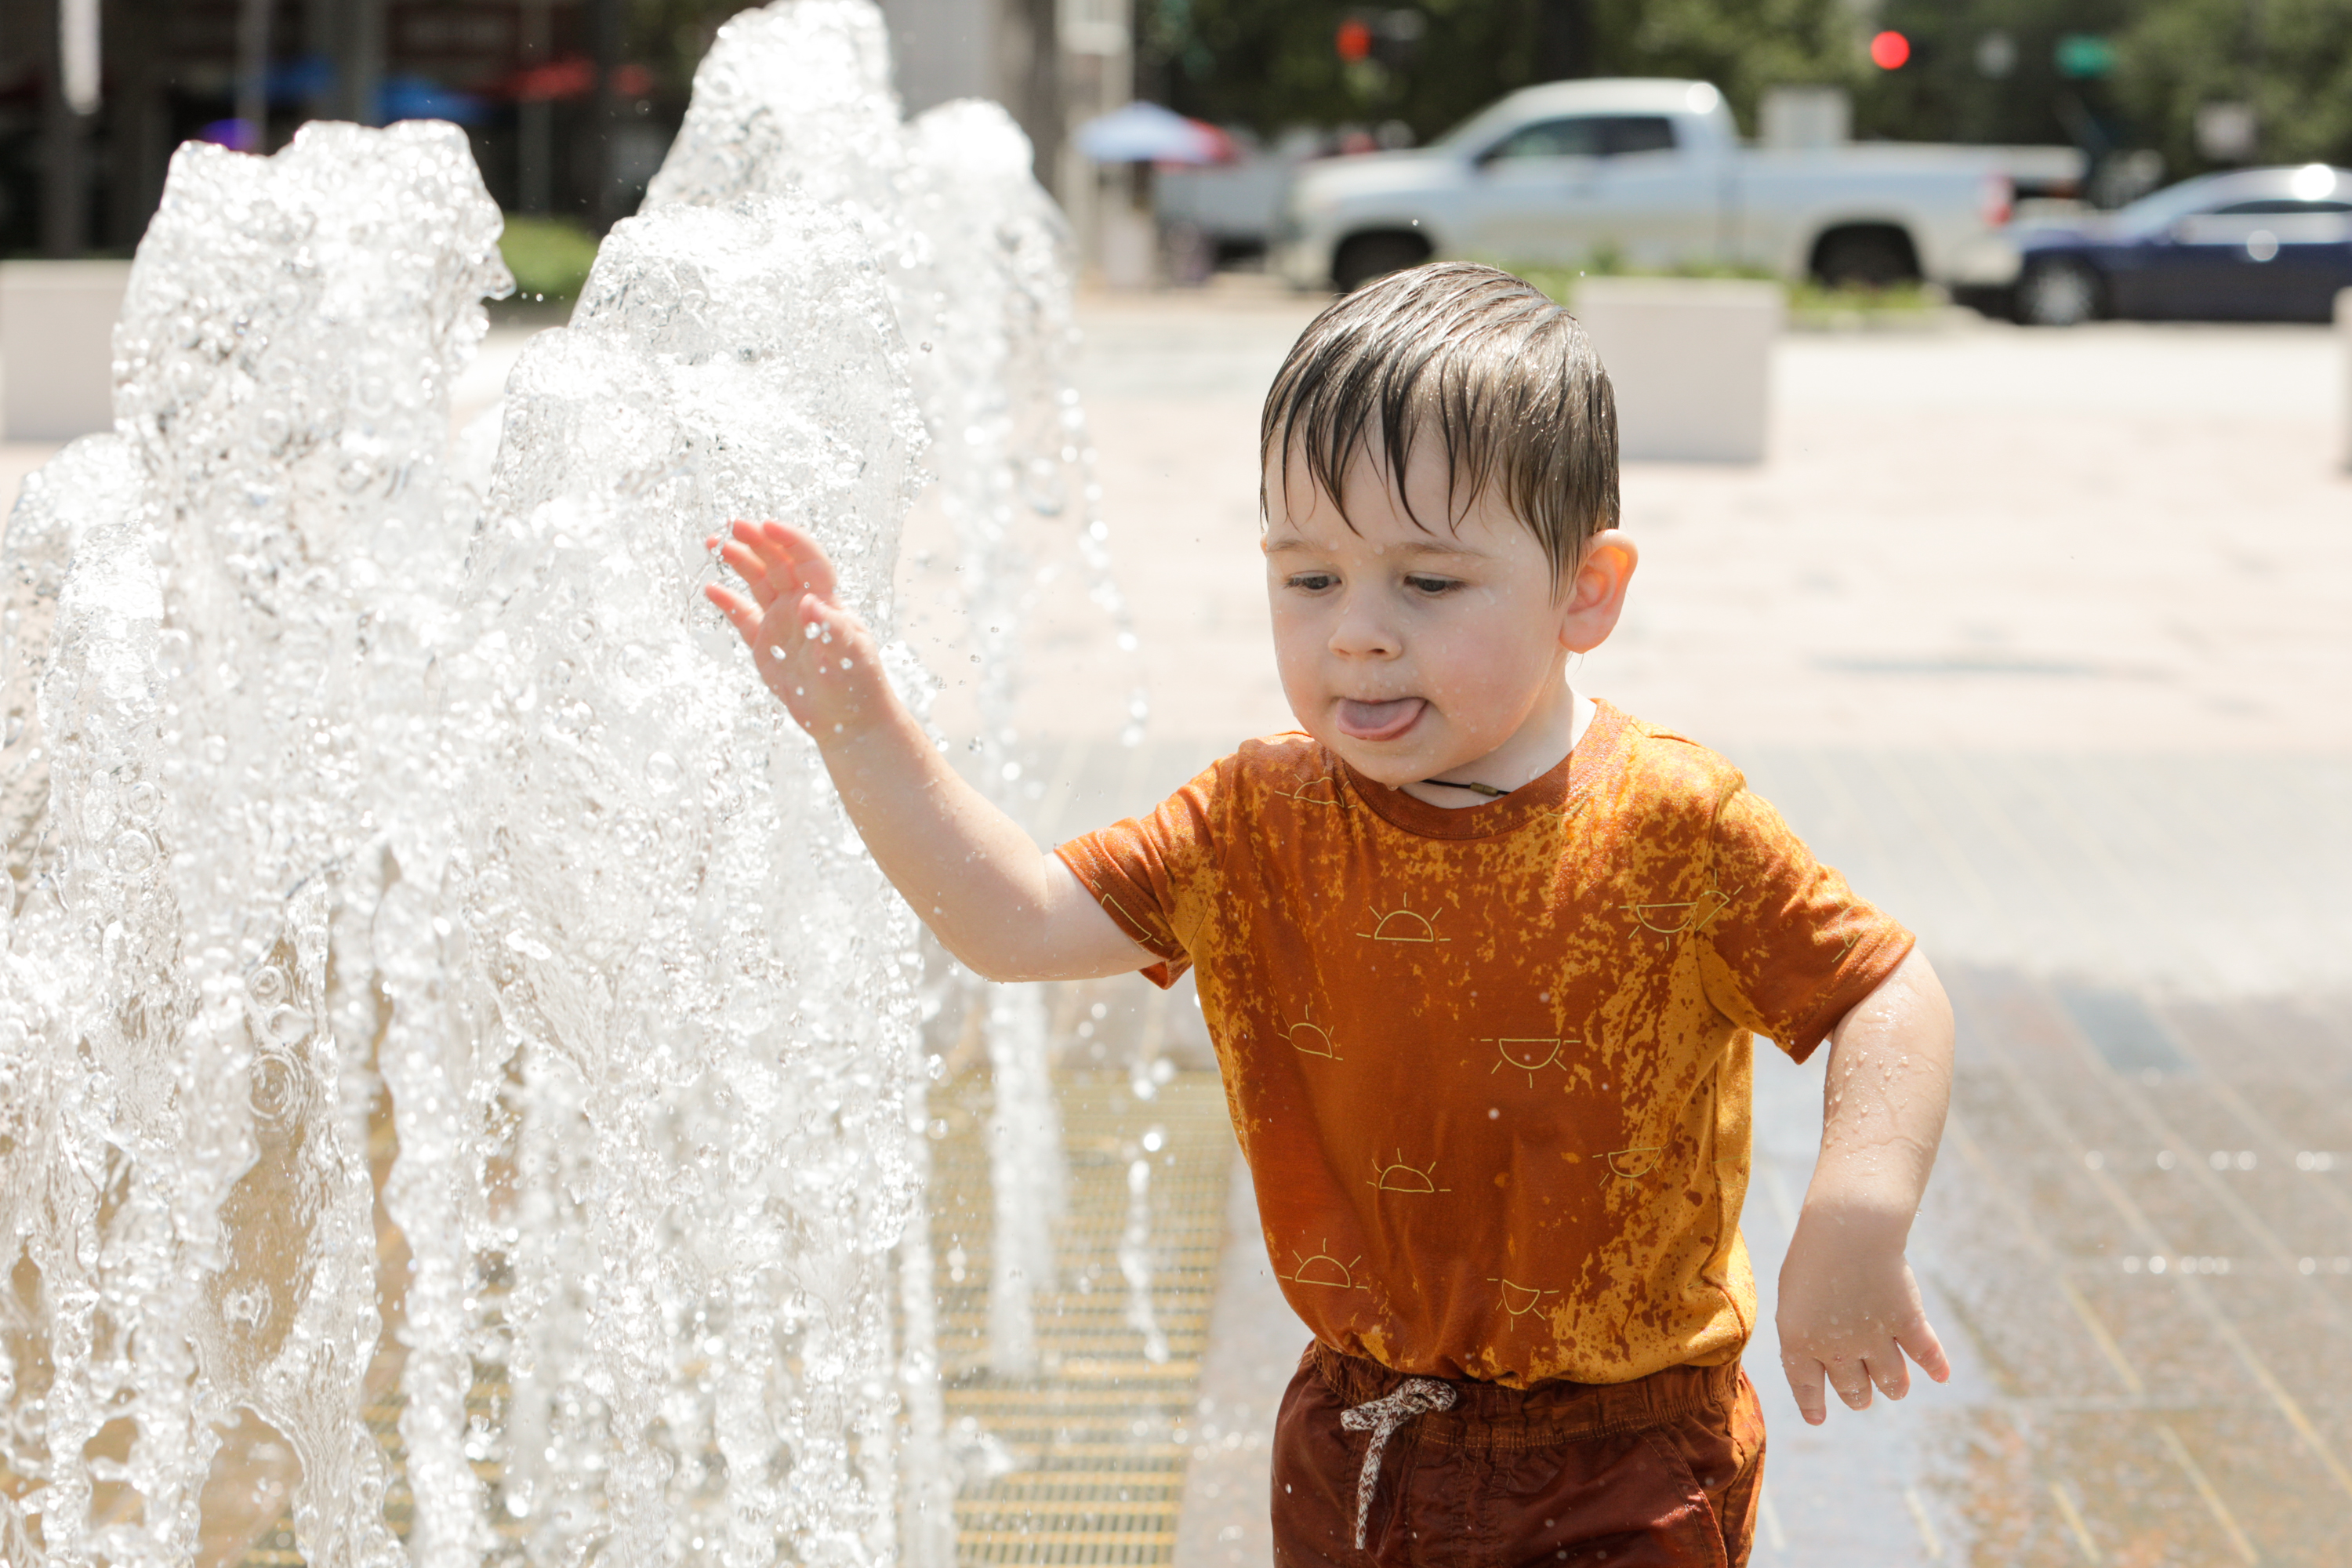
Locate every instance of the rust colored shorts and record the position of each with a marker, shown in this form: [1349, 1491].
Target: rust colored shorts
[1665, 1470]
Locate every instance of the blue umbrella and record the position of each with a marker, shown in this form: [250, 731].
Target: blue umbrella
[422, 98]
[1147, 133]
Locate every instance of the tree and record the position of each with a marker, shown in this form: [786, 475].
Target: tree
[1270, 64]
[2291, 60]
[1988, 71]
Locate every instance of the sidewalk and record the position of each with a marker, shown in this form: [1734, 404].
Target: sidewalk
[2039, 637]
[2119, 537]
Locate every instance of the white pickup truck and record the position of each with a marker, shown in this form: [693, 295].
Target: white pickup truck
[1653, 173]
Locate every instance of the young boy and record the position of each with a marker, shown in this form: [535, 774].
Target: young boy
[1481, 957]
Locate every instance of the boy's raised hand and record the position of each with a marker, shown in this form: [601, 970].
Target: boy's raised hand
[998, 902]
[816, 657]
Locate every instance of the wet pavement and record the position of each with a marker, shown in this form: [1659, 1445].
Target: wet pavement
[2042, 638]
[2139, 1244]
[2135, 1242]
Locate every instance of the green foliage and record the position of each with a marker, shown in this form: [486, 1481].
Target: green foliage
[2292, 59]
[1811, 304]
[1819, 305]
[1943, 95]
[1269, 64]
[1606, 261]
[1272, 64]
[1741, 46]
[670, 37]
[548, 256]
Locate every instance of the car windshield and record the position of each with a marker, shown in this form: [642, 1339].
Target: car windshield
[1472, 134]
[2246, 192]
[1585, 136]
[2283, 205]
[2164, 207]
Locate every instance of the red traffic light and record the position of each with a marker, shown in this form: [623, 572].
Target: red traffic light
[1355, 40]
[1889, 49]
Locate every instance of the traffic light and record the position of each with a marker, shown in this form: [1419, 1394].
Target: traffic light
[1391, 38]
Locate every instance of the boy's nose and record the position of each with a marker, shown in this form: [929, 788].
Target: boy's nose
[1362, 632]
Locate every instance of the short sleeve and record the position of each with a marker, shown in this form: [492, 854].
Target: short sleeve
[1153, 874]
[1793, 948]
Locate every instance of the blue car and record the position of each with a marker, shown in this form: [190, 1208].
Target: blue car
[2252, 245]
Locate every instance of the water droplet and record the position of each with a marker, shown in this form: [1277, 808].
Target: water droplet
[132, 852]
[530, 946]
[247, 1306]
[142, 803]
[276, 1088]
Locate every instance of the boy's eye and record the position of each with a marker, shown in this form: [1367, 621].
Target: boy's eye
[1431, 585]
[1312, 582]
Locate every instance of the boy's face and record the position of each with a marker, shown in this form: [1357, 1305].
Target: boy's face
[1416, 652]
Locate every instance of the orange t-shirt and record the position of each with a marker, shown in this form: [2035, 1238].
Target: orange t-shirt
[1491, 1067]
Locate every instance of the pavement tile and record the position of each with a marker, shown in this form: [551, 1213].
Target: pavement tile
[2041, 639]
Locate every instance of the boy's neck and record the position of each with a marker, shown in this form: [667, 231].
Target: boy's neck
[1540, 745]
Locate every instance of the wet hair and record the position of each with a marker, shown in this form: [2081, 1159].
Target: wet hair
[1484, 362]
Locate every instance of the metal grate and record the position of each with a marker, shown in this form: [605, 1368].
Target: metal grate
[1102, 1434]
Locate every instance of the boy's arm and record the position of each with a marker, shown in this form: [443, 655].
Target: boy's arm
[1850, 1309]
[1004, 908]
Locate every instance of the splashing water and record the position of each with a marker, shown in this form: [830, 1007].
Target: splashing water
[988, 385]
[676, 913]
[353, 779]
[795, 98]
[977, 259]
[260, 570]
[1135, 1262]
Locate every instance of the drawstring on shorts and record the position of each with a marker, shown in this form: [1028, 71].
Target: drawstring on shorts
[1414, 1396]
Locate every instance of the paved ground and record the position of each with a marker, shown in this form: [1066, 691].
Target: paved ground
[2043, 637]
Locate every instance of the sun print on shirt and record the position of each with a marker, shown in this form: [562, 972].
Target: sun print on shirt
[1310, 1039]
[1403, 925]
[1633, 1164]
[1685, 916]
[1327, 784]
[1519, 1299]
[1399, 1177]
[1324, 1269]
[1529, 1054]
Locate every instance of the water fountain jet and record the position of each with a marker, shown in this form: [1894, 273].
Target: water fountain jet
[353, 779]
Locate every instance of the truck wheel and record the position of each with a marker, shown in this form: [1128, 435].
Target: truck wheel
[1364, 257]
[2058, 291]
[1873, 257]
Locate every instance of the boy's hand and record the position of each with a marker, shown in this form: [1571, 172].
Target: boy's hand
[1850, 1311]
[1001, 905]
[816, 657]
[1849, 1307]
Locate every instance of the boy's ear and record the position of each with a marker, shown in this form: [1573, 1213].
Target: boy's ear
[1596, 594]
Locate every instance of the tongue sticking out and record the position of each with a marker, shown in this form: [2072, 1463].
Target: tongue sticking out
[1378, 720]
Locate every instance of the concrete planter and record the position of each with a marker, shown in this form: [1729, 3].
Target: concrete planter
[2344, 341]
[57, 347]
[1691, 360]
[1127, 248]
